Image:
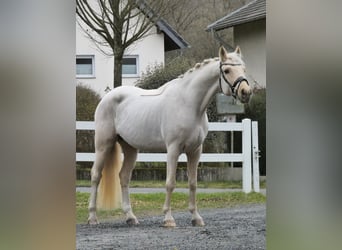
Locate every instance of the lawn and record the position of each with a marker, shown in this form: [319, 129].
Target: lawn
[151, 204]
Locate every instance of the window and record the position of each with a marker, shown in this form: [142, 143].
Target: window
[85, 66]
[130, 66]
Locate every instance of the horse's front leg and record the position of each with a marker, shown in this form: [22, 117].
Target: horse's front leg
[172, 159]
[193, 159]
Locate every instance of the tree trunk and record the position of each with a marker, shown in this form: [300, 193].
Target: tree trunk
[117, 80]
[118, 49]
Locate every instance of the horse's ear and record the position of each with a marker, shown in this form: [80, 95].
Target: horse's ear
[238, 50]
[223, 54]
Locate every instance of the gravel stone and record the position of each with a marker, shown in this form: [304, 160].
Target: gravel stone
[234, 228]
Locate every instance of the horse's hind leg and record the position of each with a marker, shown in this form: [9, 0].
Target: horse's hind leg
[193, 159]
[104, 142]
[96, 170]
[130, 156]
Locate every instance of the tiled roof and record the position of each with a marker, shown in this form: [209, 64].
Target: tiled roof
[252, 11]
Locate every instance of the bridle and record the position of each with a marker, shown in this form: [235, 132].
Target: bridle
[236, 85]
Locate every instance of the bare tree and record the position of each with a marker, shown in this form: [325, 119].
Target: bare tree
[114, 25]
[182, 14]
[191, 17]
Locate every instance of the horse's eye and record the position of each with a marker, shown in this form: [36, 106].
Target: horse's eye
[226, 71]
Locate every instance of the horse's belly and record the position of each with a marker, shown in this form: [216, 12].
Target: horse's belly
[152, 143]
[138, 123]
[157, 147]
[142, 135]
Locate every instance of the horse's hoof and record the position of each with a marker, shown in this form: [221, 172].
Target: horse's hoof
[169, 223]
[197, 223]
[132, 222]
[93, 221]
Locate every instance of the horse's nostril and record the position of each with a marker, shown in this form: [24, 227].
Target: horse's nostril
[246, 92]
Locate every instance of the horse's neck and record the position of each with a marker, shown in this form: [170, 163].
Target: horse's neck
[202, 86]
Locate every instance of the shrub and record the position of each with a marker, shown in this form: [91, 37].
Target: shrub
[256, 111]
[157, 75]
[86, 103]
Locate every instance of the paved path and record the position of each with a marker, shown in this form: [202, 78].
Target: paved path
[180, 190]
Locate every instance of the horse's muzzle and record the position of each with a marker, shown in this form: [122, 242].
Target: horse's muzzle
[245, 95]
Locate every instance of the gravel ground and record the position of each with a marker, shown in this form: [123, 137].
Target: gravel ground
[241, 227]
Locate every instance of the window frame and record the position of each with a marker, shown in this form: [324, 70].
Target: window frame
[92, 57]
[136, 57]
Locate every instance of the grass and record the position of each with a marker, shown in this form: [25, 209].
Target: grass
[180, 184]
[151, 204]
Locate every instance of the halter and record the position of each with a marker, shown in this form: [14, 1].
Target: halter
[236, 85]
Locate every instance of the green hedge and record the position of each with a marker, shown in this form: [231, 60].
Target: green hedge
[256, 111]
[86, 103]
[157, 75]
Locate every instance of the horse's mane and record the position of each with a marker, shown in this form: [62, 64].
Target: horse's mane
[209, 60]
[199, 65]
[158, 91]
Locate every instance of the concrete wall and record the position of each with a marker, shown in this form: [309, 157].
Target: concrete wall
[203, 174]
[251, 37]
[156, 174]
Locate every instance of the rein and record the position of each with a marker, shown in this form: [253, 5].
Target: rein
[237, 82]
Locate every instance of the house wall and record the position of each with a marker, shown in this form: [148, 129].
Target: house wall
[150, 51]
[251, 37]
[103, 64]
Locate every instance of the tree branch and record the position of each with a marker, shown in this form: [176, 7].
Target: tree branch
[118, 24]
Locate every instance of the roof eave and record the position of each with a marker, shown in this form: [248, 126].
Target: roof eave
[258, 7]
[176, 40]
[172, 35]
[226, 26]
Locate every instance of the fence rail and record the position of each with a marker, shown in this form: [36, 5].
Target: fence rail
[250, 147]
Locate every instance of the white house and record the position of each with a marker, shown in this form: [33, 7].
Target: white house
[95, 69]
[249, 24]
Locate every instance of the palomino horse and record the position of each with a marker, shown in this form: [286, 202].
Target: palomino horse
[172, 118]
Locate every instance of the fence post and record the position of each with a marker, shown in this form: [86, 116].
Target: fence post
[247, 155]
[255, 153]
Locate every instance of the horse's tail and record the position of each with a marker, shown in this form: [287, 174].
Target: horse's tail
[109, 192]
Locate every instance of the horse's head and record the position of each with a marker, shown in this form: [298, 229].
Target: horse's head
[232, 78]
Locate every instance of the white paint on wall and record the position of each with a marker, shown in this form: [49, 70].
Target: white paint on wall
[150, 51]
[251, 37]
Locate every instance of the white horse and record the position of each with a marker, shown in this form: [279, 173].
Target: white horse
[172, 118]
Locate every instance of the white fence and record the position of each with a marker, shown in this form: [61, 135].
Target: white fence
[249, 156]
